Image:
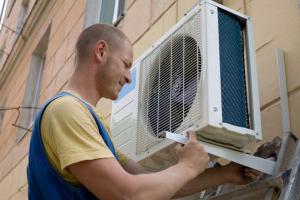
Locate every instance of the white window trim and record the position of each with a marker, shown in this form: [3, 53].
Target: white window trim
[27, 115]
[93, 14]
[116, 11]
[33, 87]
[3, 12]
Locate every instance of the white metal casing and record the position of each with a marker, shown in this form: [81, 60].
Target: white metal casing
[209, 127]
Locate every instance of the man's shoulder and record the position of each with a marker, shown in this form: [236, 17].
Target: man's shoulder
[66, 106]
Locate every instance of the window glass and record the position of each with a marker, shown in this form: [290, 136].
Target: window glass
[111, 11]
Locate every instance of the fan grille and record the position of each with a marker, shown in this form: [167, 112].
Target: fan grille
[170, 80]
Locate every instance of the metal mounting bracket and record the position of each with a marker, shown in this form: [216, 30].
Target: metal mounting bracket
[260, 164]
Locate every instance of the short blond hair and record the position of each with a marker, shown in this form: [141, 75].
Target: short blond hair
[91, 35]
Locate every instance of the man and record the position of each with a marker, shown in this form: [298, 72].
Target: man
[71, 155]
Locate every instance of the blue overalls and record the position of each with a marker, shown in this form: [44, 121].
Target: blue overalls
[44, 182]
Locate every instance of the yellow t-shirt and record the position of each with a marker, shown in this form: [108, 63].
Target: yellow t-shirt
[70, 135]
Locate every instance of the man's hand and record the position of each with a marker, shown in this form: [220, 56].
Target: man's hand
[239, 175]
[192, 154]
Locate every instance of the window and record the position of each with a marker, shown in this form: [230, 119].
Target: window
[111, 11]
[32, 91]
[103, 11]
[2, 14]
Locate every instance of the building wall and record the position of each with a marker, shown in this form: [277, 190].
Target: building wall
[276, 25]
[66, 21]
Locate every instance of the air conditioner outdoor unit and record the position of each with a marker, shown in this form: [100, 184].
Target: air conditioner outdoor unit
[201, 76]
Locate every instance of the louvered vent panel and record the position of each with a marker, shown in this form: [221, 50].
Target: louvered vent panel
[170, 86]
[234, 92]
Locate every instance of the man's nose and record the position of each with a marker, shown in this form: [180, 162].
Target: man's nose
[128, 77]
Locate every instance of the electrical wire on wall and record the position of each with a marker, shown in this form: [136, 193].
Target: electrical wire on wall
[15, 124]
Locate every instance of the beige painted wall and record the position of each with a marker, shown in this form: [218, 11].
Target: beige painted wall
[66, 21]
[276, 24]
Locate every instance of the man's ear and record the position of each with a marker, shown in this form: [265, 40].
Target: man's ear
[100, 50]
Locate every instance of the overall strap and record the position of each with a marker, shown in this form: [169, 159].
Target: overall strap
[44, 182]
[102, 130]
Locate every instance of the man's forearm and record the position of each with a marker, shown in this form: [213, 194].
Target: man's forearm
[163, 184]
[210, 178]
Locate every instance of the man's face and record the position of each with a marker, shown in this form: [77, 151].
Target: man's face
[115, 72]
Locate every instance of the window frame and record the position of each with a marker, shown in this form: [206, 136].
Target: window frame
[33, 86]
[111, 17]
[3, 11]
[31, 96]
